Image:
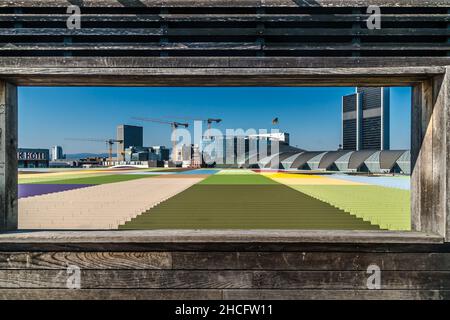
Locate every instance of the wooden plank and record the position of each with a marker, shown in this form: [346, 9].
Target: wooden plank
[220, 236]
[386, 46]
[238, 279]
[348, 261]
[336, 294]
[8, 157]
[425, 17]
[225, 46]
[203, 77]
[156, 46]
[426, 158]
[86, 260]
[58, 246]
[378, 65]
[226, 3]
[100, 79]
[292, 73]
[212, 294]
[445, 93]
[440, 151]
[416, 146]
[118, 279]
[416, 32]
[350, 280]
[110, 294]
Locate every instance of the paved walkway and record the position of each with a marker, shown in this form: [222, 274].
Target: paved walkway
[98, 207]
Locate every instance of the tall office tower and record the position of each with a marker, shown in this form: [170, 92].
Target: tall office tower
[132, 136]
[365, 119]
[57, 153]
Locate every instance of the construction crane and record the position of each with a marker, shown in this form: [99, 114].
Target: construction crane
[209, 121]
[174, 124]
[109, 142]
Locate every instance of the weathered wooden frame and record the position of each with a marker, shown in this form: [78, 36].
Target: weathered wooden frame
[430, 118]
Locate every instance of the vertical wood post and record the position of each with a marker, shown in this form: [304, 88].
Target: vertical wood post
[430, 156]
[8, 157]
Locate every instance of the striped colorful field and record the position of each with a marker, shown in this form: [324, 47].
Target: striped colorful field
[210, 199]
[245, 202]
[99, 179]
[388, 207]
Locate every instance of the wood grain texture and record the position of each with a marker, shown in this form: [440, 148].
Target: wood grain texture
[146, 237]
[239, 279]
[427, 65]
[258, 275]
[8, 156]
[416, 145]
[347, 261]
[313, 294]
[218, 294]
[86, 260]
[446, 95]
[223, 17]
[111, 294]
[440, 151]
[224, 3]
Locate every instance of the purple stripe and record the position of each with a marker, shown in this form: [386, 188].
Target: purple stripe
[31, 190]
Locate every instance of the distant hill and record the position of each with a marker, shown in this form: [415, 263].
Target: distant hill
[76, 156]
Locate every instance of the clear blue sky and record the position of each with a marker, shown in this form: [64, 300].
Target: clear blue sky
[312, 116]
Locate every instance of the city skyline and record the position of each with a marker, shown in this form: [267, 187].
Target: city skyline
[312, 116]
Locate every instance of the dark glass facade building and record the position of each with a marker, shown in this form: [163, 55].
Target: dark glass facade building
[366, 120]
[132, 136]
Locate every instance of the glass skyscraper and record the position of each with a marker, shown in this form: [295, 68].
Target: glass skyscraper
[366, 120]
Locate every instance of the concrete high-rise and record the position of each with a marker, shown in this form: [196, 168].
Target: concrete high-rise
[57, 153]
[366, 120]
[132, 136]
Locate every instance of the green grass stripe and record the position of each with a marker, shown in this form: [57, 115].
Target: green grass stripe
[264, 206]
[102, 179]
[387, 207]
[238, 179]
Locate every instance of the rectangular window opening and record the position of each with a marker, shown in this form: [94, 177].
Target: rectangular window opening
[223, 158]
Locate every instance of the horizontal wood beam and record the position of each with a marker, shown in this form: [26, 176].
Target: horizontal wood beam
[413, 32]
[200, 77]
[224, 17]
[216, 260]
[219, 294]
[220, 236]
[224, 3]
[224, 46]
[380, 65]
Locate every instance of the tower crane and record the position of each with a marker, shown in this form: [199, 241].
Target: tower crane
[109, 142]
[174, 124]
[208, 121]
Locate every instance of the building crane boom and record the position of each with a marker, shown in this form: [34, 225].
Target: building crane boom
[109, 142]
[174, 124]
